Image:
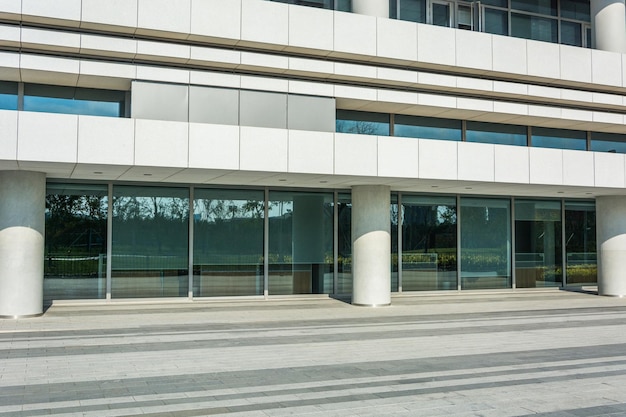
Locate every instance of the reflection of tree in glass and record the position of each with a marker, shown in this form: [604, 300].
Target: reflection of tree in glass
[357, 126]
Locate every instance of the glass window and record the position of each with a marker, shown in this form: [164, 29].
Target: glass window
[427, 128]
[498, 3]
[571, 33]
[300, 243]
[343, 5]
[580, 242]
[546, 7]
[8, 95]
[70, 100]
[412, 10]
[485, 243]
[76, 242]
[428, 243]
[442, 13]
[538, 249]
[150, 242]
[608, 142]
[228, 242]
[576, 9]
[496, 21]
[344, 243]
[496, 133]
[394, 216]
[364, 123]
[543, 137]
[534, 27]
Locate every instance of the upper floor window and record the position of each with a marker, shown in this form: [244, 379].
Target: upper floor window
[72, 100]
[8, 95]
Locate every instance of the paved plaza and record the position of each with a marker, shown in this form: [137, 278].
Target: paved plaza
[549, 353]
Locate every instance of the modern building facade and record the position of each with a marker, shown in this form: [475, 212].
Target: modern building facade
[196, 149]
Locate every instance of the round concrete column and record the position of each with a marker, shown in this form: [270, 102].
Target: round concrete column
[378, 8]
[608, 20]
[611, 235]
[22, 208]
[371, 245]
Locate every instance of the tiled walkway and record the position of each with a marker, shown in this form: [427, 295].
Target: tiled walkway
[551, 353]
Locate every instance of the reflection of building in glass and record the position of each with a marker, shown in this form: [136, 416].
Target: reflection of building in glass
[229, 148]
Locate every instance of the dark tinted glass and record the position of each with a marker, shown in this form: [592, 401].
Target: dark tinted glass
[8, 95]
[534, 27]
[576, 9]
[427, 128]
[543, 137]
[608, 142]
[496, 133]
[546, 7]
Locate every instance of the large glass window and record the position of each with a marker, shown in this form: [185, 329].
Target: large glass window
[300, 243]
[538, 248]
[411, 10]
[571, 33]
[71, 100]
[534, 27]
[228, 242]
[427, 128]
[608, 142]
[496, 133]
[150, 242]
[580, 243]
[428, 243]
[8, 95]
[543, 137]
[576, 9]
[363, 123]
[547, 7]
[485, 243]
[76, 242]
[344, 243]
[496, 21]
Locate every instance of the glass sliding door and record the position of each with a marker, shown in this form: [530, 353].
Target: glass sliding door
[538, 247]
[344, 243]
[485, 243]
[228, 242]
[300, 243]
[150, 242]
[75, 242]
[429, 242]
[580, 242]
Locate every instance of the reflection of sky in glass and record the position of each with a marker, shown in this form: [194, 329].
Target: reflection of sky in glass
[608, 146]
[496, 137]
[8, 102]
[70, 106]
[426, 132]
[559, 143]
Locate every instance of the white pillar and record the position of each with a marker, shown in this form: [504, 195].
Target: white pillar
[608, 20]
[378, 8]
[22, 208]
[371, 245]
[611, 236]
